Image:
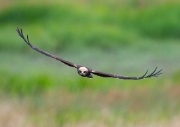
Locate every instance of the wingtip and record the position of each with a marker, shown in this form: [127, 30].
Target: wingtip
[18, 29]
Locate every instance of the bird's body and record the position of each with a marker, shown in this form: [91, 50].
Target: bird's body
[85, 71]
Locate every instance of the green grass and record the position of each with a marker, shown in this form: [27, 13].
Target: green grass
[32, 72]
[123, 39]
[87, 26]
[50, 89]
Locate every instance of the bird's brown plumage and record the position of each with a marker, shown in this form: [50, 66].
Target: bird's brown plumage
[84, 71]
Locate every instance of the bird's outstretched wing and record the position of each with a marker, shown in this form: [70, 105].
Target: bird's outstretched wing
[155, 73]
[20, 32]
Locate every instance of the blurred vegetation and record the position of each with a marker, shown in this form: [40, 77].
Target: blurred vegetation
[84, 25]
[123, 37]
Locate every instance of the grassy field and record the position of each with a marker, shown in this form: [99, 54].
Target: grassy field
[112, 36]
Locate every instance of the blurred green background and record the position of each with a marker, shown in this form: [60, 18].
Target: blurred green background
[117, 36]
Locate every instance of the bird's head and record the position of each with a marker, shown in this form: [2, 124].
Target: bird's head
[84, 72]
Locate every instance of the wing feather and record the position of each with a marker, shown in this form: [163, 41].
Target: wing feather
[20, 32]
[153, 74]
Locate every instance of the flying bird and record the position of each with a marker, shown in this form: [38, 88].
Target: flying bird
[85, 71]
